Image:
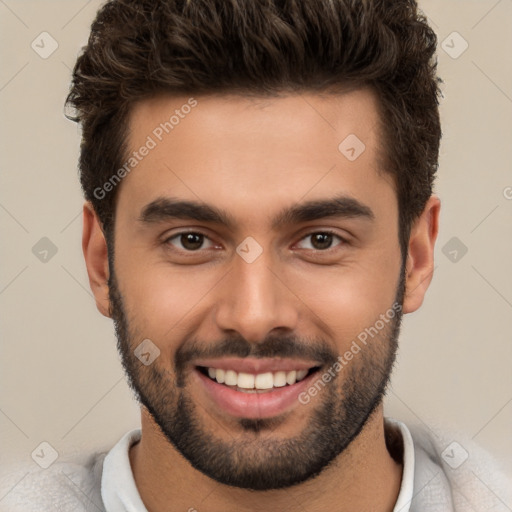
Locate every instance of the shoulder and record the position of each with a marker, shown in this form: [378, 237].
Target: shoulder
[65, 485]
[446, 459]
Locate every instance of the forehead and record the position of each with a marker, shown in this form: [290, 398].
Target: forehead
[254, 153]
[225, 118]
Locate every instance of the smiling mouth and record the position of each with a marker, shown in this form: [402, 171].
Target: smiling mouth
[256, 383]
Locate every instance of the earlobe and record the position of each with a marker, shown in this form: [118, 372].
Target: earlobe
[420, 257]
[95, 251]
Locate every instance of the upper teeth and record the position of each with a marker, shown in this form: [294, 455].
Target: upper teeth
[259, 381]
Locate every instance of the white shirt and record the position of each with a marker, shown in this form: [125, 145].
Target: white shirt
[443, 471]
[120, 493]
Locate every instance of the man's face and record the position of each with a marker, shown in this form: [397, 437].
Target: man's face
[255, 291]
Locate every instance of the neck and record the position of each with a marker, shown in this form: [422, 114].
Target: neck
[363, 477]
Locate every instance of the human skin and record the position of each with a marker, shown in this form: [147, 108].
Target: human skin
[252, 158]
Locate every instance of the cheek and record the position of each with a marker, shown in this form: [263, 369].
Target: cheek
[349, 298]
[162, 303]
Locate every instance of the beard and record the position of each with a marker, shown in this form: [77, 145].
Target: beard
[256, 459]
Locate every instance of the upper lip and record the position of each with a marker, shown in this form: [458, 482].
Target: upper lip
[255, 366]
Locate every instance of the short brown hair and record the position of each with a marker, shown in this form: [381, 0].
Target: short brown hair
[138, 48]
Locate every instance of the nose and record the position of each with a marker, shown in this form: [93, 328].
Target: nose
[255, 300]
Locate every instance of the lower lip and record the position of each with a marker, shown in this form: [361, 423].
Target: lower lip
[254, 405]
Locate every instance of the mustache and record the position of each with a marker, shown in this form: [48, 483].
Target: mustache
[273, 346]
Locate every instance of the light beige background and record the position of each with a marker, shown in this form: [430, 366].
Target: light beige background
[61, 379]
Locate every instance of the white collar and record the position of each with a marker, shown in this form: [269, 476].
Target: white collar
[405, 495]
[120, 494]
[118, 489]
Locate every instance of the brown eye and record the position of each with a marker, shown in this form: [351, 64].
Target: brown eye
[321, 241]
[192, 241]
[188, 241]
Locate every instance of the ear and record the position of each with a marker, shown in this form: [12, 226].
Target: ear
[420, 257]
[94, 247]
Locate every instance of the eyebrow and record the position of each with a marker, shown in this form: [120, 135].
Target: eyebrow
[166, 208]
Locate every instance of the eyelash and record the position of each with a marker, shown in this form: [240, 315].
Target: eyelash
[323, 232]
